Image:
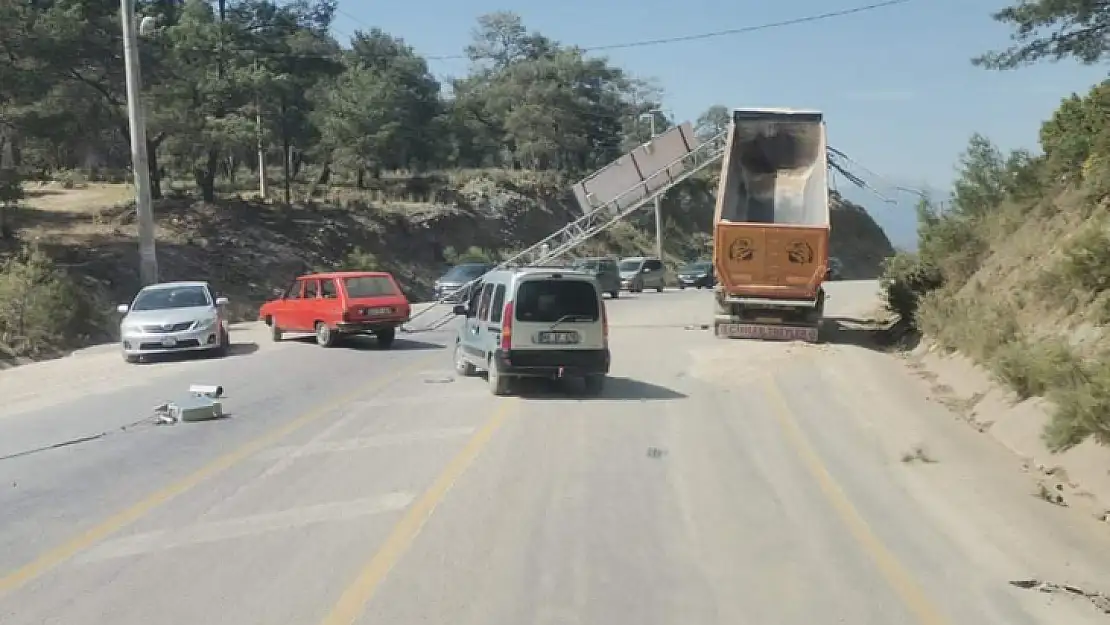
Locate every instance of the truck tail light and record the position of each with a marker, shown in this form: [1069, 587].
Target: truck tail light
[507, 327]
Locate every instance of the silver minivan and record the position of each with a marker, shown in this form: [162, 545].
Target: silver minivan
[642, 272]
[534, 322]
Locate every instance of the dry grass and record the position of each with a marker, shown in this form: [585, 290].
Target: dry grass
[1033, 314]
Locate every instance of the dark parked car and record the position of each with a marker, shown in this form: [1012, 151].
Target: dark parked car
[604, 269]
[698, 274]
[452, 282]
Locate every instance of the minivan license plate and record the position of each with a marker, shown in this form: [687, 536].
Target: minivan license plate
[559, 338]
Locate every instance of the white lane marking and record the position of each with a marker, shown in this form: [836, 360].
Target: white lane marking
[286, 460]
[241, 527]
[292, 452]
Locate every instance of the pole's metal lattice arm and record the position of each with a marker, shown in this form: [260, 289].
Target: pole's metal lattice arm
[602, 218]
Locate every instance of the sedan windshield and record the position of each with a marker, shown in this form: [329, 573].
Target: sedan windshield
[465, 273]
[165, 298]
[630, 265]
[700, 267]
[369, 286]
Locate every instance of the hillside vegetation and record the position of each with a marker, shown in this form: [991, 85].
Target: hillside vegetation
[370, 160]
[1014, 271]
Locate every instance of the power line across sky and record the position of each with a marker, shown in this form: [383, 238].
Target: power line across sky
[279, 54]
[698, 36]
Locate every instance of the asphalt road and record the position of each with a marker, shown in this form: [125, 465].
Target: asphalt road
[714, 482]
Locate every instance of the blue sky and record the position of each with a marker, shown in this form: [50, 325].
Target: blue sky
[900, 94]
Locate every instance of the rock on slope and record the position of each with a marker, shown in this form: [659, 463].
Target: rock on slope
[857, 240]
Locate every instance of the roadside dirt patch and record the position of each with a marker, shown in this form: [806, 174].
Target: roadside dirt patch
[1075, 478]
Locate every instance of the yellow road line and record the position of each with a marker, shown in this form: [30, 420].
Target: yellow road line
[56, 556]
[899, 579]
[354, 599]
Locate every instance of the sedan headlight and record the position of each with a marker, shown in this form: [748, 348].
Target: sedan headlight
[204, 324]
[130, 328]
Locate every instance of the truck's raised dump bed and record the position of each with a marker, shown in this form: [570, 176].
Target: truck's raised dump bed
[771, 225]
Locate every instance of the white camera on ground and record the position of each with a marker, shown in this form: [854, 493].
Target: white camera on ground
[207, 390]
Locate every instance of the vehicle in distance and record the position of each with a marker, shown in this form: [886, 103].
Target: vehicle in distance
[834, 270]
[534, 322]
[642, 272]
[698, 274]
[453, 282]
[336, 305]
[604, 270]
[173, 317]
[771, 226]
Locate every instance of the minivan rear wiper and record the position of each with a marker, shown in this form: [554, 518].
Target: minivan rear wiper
[571, 317]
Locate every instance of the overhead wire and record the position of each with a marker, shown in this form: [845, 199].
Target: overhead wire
[748, 29]
[594, 48]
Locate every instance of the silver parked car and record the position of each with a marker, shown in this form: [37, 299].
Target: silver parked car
[174, 317]
[642, 272]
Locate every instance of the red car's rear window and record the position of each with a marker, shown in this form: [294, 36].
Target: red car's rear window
[369, 286]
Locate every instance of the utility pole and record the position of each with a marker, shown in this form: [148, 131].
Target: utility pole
[261, 143]
[658, 203]
[261, 158]
[148, 259]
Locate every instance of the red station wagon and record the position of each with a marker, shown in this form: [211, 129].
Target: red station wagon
[334, 305]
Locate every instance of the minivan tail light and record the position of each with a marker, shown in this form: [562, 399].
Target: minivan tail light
[507, 327]
[604, 324]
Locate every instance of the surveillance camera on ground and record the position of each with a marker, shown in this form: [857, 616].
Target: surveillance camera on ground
[207, 390]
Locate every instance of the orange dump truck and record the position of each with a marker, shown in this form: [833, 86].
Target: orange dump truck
[771, 226]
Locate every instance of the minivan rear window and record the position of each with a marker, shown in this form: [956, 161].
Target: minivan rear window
[548, 301]
[369, 286]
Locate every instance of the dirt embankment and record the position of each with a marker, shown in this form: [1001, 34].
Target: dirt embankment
[248, 247]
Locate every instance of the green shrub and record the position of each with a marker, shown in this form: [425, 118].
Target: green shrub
[359, 260]
[905, 280]
[1032, 368]
[473, 254]
[42, 310]
[973, 325]
[1082, 408]
[1086, 262]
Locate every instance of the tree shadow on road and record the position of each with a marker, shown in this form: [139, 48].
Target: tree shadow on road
[615, 388]
[874, 334]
